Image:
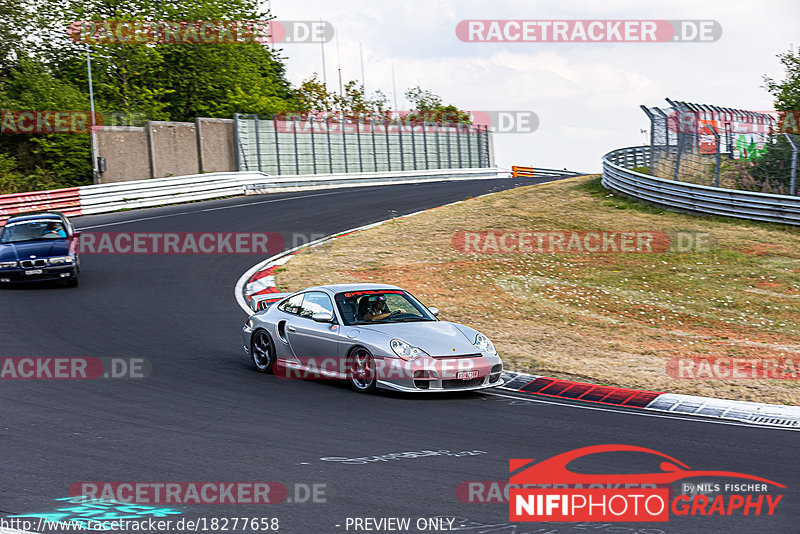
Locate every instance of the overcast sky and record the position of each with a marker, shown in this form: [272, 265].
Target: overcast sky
[586, 95]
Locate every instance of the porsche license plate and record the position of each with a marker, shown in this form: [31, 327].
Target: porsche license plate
[34, 271]
[467, 375]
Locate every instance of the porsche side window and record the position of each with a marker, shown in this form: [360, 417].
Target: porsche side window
[316, 302]
[292, 305]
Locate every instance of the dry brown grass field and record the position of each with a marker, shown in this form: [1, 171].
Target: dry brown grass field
[608, 318]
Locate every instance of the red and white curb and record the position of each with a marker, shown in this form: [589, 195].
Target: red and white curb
[773, 415]
[260, 280]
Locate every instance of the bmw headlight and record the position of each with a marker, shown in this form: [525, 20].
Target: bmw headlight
[8, 264]
[483, 343]
[407, 352]
[58, 260]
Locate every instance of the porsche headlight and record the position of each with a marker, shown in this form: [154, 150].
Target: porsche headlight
[58, 260]
[8, 264]
[483, 343]
[407, 352]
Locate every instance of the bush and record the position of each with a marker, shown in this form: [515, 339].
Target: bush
[14, 181]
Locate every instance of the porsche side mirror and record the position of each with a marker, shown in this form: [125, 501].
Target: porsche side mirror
[322, 317]
[434, 311]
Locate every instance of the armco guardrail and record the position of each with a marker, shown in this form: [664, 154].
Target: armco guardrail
[106, 198]
[538, 172]
[693, 198]
[67, 201]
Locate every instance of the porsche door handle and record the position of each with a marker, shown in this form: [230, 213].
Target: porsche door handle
[291, 329]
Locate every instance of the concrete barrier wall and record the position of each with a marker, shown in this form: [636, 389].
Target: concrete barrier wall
[216, 142]
[126, 151]
[173, 149]
[161, 149]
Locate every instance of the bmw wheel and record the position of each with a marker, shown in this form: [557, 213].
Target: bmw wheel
[263, 351]
[361, 371]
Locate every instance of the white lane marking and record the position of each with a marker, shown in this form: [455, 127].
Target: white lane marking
[644, 412]
[208, 209]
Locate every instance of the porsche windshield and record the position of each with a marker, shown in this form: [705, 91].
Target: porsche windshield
[390, 306]
[33, 230]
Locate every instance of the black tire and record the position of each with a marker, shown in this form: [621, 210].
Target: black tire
[262, 351]
[361, 373]
[72, 282]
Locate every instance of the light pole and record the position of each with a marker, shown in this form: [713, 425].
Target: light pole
[91, 109]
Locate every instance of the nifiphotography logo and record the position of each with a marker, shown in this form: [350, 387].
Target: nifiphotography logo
[549, 491]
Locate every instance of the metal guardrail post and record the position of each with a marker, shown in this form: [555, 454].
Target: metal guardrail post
[358, 139]
[296, 151]
[716, 155]
[458, 144]
[237, 141]
[469, 145]
[793, 182]
[438, 145]
[277, 146]
[402, 154]
[413, 147]
[678, 157]
[313, 144]
[449, 152]
[344, 146]
[388, 149]
[330, 150]
[425, 144]
[258, 142]
[374, 144]
[479, 138]
[652, 132]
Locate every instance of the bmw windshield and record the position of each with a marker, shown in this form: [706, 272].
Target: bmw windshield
[380, 306]
[35, 230]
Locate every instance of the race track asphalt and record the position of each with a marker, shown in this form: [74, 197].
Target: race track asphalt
[204, 414]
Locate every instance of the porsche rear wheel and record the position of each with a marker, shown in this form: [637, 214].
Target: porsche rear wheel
[361, 371]
[262, 351]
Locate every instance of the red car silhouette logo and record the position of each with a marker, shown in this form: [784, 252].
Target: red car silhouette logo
[554, 470]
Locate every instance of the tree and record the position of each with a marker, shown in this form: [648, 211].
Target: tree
[169, 81]
[428, 107]
[30, 86]
[159, 81]
[787, 92]
[314, 97]
[15, 18]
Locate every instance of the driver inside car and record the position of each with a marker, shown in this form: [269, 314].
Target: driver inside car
[54, 230]
[377, 309]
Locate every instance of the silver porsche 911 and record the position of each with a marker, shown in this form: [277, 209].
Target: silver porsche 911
[372, 335]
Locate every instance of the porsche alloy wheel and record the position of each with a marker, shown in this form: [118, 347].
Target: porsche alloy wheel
[263, 352]
[361, 371]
